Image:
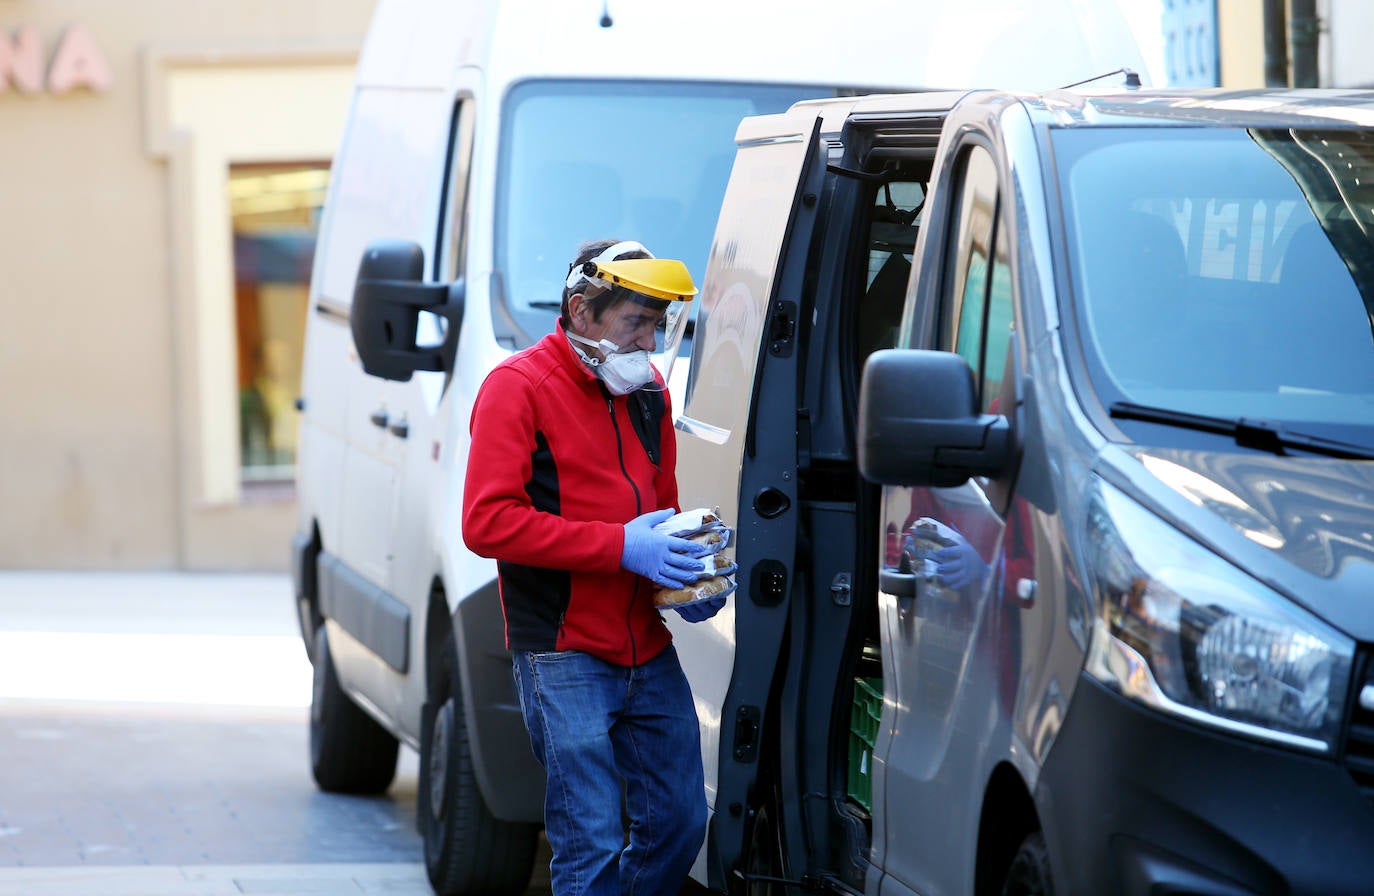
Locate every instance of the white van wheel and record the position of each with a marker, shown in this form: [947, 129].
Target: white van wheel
[467, 849]
[1029, 874]
[349, 751]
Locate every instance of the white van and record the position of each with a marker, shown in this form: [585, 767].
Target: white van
[485, 141]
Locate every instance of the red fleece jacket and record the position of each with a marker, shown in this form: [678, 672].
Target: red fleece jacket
[555, 469]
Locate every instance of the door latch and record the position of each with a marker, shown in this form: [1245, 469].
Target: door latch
[840, 591]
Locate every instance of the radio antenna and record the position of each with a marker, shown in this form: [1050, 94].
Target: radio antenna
[1132, 79]
[606, 20]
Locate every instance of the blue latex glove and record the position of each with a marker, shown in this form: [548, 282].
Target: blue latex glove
[700, 612]
[663, 559]
[958, 565]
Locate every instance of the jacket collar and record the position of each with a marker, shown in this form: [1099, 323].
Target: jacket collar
[569, 358]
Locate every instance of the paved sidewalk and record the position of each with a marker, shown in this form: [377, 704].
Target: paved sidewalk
[218, 880]
[154, 729]
[178, 638]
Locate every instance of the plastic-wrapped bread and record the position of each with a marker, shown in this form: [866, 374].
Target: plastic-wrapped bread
[718, 564]
[716, 586]
[690, 522]
[716, 578]
[717, 538]
[701, 525]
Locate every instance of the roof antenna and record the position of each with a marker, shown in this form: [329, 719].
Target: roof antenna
[606, 21]
[1132, 79]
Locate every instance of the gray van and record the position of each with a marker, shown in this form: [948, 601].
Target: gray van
[1053, 430]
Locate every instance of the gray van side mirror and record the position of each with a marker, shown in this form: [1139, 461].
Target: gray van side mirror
[387, 300]
[919, 424]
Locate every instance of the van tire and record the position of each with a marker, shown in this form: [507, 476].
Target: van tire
[765, 857]
[349, 751]
[468, 851]
[1029, 874]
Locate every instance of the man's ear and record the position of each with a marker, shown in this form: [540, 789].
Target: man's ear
[577, 309]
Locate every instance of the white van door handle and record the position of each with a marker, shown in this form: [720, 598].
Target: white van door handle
[378, 419]
[400, 428]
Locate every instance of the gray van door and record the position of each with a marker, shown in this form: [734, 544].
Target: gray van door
[743, 349]
[948, 686]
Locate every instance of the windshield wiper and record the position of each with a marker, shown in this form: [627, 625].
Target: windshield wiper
[1262, 435]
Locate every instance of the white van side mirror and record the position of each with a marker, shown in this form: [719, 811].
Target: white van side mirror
[919, 425]
[388, 297]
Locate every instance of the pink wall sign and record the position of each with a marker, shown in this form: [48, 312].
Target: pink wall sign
[76, 63]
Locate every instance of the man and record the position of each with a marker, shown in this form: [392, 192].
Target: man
[572, 464]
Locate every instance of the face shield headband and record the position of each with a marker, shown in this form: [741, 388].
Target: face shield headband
[588, 269]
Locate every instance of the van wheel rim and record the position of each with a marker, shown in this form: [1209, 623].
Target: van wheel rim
[438, 759]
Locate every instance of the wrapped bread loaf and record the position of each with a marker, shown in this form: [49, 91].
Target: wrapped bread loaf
[716, 578]
[716, 586]
[690, 522]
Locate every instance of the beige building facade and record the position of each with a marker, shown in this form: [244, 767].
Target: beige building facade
[163, 165]
[1240, 43]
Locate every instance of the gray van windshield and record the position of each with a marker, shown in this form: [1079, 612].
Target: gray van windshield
[1225, 271]
[637, 160]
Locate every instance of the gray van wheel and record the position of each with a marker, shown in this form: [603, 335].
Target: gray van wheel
[468, 851]
[765, 859]
[1029, 874]
[349, 751]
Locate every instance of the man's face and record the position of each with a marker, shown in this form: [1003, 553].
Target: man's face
[631, 326]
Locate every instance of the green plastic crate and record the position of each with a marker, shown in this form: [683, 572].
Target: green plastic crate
[864, 718]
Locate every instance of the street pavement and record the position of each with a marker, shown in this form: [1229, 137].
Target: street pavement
[153, 729]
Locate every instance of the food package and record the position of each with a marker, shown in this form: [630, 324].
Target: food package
[716, 586]
[689, 523]
[713, 565]
[717, 576]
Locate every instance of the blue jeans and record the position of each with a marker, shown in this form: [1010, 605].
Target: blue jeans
[596, 727]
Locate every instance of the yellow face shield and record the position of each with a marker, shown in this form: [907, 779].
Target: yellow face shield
[661, 292]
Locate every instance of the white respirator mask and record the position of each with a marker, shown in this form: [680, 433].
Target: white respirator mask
[622, 372]
[663, 286]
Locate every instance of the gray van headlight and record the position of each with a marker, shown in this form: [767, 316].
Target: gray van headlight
[1187, 633]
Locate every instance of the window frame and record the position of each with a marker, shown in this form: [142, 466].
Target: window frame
[951, 320]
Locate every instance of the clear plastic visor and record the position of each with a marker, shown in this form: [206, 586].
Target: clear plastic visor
[672, 329]
[638, 323]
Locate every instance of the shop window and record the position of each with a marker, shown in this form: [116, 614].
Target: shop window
[275, 211]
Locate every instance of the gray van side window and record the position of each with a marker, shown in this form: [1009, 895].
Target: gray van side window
[454, 243]
[976, 301]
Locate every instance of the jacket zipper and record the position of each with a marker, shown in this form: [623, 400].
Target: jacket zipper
[639, 509]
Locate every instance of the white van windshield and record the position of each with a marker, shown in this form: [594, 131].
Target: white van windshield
[1226, 272]
[637, 160]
